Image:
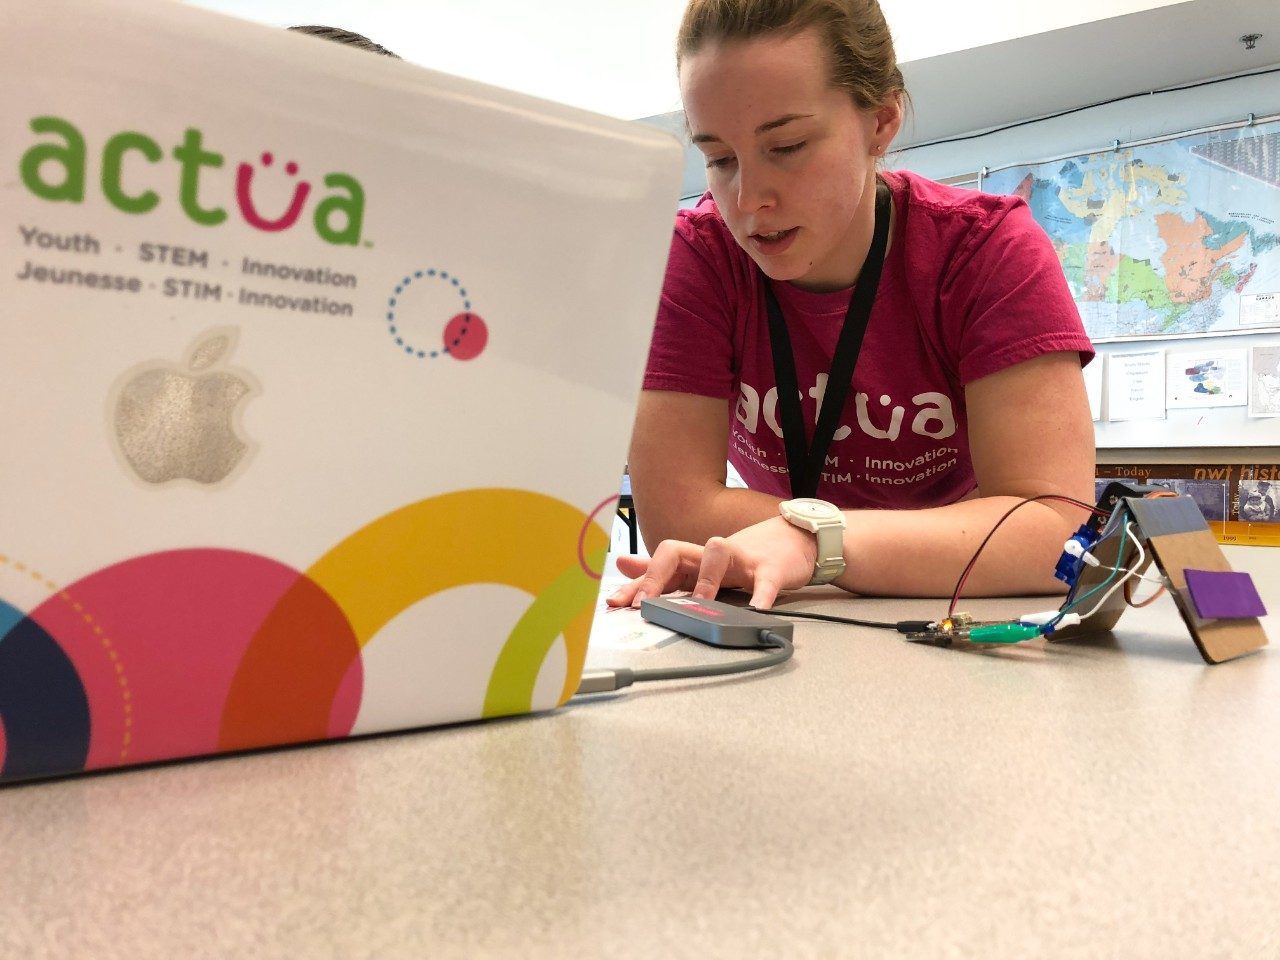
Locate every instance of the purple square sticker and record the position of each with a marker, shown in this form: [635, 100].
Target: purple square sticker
[1220, 594]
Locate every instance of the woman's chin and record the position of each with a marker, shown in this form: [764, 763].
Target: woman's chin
[779, 271]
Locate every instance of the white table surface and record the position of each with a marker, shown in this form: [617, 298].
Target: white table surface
[873, 798]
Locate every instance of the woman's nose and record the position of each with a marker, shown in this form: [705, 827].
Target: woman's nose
[755, 188]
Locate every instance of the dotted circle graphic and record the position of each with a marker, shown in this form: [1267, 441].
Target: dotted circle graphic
[464, 335]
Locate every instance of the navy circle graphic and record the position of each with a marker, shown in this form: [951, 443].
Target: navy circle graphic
[43, 704]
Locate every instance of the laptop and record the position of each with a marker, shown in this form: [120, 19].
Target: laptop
[318, 374]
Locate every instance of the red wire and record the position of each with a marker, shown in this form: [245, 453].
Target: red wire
[964, 575]
[1128, 595]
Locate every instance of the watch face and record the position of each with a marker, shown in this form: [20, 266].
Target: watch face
[814, 509]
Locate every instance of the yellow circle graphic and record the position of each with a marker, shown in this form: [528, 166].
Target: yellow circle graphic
[515, 538]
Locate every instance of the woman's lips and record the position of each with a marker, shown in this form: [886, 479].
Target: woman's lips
[772, 244]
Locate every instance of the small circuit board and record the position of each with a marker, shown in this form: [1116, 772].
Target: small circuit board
[945, 632]
[962, 627]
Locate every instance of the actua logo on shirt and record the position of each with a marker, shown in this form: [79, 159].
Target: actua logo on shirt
[55, 169]
[932, 415]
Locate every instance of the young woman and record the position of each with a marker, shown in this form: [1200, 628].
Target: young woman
[963, 397]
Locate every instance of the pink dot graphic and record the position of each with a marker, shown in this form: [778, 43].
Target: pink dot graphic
[465, 336]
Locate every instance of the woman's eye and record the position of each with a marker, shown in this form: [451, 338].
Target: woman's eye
[716, 163]
[790, 148]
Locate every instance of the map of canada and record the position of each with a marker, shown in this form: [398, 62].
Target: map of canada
[1173, 239]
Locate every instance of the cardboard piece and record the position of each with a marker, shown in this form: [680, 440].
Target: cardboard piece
[1220, 639]
[1179, 541]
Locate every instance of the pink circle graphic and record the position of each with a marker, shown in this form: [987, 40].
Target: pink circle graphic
[465, 336]
[582, 536]
[167, 642]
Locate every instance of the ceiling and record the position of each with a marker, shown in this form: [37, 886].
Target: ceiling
[616, 57]
[1032, 76]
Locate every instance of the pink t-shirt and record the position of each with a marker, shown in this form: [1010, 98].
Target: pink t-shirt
[970, 285]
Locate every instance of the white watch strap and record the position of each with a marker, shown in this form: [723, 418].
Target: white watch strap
[826, 523]
[830, 563]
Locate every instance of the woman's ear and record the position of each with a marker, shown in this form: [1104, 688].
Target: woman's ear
[888, 121]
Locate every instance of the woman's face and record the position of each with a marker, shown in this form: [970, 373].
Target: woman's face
[790, 157]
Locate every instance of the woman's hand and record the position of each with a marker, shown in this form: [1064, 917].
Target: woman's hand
[765, 558]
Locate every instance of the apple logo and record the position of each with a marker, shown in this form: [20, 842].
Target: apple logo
[174, 423]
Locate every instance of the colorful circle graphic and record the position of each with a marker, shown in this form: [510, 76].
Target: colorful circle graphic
[465, 334]
[587, 525]
[513, 537]
[182, 624]
[43, 706]
[190, 652]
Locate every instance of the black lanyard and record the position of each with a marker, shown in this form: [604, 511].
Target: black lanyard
[805, 465]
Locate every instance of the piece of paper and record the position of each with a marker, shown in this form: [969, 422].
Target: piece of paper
[1260, 310]
[1264, 381]
[1135, 385]
[615, 629]
[1093, 375]
[1224, 594]
[621, 628]
[1218, 379]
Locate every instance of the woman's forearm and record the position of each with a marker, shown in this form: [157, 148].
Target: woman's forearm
[920, 553]
[697, 516]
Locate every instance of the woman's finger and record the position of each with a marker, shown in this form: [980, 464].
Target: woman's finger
[765, 586]
[633, 567]
[638, 567]
[717, 556]
[665, 567]
[669, 569]
[622, 596]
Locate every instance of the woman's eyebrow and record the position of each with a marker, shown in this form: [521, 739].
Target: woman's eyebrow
[782, 121]
[763, 128]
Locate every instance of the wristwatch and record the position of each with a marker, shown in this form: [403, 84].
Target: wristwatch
[825, 520]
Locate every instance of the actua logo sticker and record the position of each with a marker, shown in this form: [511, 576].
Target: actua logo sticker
[55, 170]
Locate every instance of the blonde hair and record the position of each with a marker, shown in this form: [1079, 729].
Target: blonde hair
[854, 32]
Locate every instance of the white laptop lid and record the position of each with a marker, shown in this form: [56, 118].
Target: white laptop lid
[318, 368]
